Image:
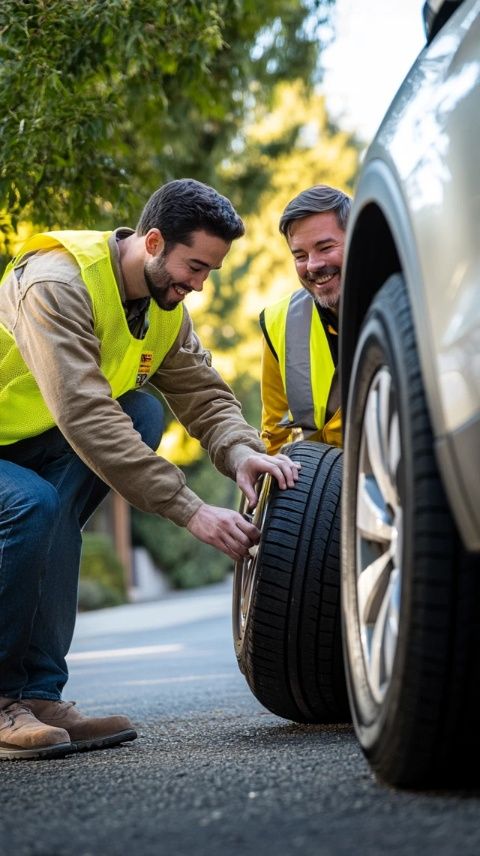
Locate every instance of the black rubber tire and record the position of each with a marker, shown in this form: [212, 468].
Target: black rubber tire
[424, 731]
[291, 652]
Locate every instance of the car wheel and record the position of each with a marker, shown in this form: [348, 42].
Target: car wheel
[286, 607]
[410, 594]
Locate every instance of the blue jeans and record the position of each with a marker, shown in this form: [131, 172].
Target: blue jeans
[46, 495]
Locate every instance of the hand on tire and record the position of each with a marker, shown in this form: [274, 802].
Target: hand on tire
[281, 468]
[226, 530]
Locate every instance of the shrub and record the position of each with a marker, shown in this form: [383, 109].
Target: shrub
[187, 561]
[102, 575]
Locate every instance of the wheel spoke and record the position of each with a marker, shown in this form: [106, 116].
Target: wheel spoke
[377, 424]
[379, 532]
[373, 520]
[372, 584]
[384, 639]
[394, 450]
[392, 622]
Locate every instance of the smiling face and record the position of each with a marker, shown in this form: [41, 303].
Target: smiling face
[171, 275]
[317, 244]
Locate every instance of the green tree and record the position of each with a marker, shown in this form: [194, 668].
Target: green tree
[102, 100]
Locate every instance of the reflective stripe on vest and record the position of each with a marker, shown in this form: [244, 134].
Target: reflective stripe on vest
[297, 335]
[126, 362]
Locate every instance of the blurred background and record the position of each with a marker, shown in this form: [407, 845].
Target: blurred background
[102, 101]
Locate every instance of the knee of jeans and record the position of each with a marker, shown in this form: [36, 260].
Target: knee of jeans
[44, 503]
[146, 413]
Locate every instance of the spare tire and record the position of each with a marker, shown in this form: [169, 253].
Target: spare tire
[286, 598]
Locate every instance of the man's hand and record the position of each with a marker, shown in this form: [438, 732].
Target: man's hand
[226, 530]
[280, 467]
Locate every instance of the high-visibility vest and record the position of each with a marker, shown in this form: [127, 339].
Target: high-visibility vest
[296, 332]
[126, 362]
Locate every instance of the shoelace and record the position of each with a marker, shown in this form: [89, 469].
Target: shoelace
[66, 705]
[12, 711]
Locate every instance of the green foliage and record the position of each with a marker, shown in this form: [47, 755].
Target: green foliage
[187, 562]
[103, 100]
[102, 575]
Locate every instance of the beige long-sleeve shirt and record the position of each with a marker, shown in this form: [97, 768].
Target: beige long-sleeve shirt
[52, 324]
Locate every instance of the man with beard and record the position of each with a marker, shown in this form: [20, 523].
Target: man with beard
[86, 318]
[299, 386]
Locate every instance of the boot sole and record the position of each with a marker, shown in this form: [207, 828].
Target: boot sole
[57, 751]
[104, 742]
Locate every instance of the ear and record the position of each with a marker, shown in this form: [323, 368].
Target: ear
[154, 242]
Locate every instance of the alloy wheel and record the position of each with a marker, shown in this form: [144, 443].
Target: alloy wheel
[245, 569]
[379, 533]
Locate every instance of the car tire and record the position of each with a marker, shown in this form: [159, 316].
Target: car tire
[410, 594]
[286, 607]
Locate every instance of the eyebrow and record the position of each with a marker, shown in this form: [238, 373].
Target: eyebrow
[317, 244]
[205, 264]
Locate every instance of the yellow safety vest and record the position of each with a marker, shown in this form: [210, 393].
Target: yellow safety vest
[126, 362]
[306, 366]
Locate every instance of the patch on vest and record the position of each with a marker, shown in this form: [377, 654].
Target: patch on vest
[144, 369]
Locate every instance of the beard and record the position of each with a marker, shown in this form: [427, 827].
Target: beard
[159, 283]
[327, 301]
[329, 297]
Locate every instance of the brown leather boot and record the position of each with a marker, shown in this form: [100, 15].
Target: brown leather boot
[23, 736]
[86, 732]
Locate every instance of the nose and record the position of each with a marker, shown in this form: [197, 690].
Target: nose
[315, 262]
[196, 280]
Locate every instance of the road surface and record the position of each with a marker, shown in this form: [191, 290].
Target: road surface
[212, 772]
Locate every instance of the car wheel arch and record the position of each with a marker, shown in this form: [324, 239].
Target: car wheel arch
[380, 242]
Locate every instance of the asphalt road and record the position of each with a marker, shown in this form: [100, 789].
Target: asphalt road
[212, 773]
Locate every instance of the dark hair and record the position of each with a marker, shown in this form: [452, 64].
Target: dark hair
[183, 206]
[316, 200]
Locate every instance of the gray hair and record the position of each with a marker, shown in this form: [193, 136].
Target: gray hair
[316, 200]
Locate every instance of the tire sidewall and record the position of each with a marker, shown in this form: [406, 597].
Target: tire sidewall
[291, 652]
[378, 346]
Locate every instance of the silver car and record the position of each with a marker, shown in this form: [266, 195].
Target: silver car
[410, 368]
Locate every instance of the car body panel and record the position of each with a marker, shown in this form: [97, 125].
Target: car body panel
[417, 209]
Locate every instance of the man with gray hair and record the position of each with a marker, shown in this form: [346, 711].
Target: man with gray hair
[299, 386]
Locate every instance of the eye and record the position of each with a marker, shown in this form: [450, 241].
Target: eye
[194, 269]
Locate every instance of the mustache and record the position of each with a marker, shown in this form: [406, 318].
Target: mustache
[324, 271]
[168, 283]
[181, 285]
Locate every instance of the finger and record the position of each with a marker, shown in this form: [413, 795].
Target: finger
[283, 461]
[249, 491]
[233, 552]
[291, 474]
[290, 470]
[288, 460]
[249, 529]
[241, 546]
[280, 467]
[243, 538]
[238, 541]
[277, 473]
